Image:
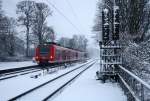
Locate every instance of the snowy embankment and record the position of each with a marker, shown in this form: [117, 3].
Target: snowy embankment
[9, 65]
[86, 88]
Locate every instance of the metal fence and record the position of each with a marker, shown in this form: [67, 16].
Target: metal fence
[135, 88]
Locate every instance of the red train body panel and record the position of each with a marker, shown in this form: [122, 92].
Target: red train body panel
[53, 53]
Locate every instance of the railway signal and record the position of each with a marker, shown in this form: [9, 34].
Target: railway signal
[116, 23]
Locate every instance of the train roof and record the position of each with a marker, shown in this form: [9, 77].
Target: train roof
[53, 43]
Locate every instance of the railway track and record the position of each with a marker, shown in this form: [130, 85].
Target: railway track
[65, 84]
[18, 73]
[15, 70]
[11, 73]
[50, 88]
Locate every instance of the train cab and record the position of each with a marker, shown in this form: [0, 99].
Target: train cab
[44, 53]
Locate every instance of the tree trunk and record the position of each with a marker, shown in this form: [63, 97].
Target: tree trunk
[27, 43]
[40, 35]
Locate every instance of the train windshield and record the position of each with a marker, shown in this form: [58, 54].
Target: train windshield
[44, 49]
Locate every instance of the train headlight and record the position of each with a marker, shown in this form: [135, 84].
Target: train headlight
[51, 57]
[36, 57]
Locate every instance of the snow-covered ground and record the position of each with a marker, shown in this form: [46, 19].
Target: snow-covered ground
[8, 65]
[51, 87]
[15, 86]
[86, 88]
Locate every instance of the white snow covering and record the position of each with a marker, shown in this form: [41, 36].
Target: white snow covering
[51, 87]
[86, 88]
[106, 10]
[116, 7]
[135, 77]
[20, 84]
[9, 65]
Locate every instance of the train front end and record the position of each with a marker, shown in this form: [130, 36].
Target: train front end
[44, 54]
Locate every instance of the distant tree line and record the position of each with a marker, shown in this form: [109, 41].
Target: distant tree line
[9, 42]
[32, 17]
[77, 42]
[134, 31]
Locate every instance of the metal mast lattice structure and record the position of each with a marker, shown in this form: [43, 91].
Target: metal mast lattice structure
[110, 47]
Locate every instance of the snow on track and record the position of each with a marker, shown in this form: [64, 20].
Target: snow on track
[86, 88]
[43, 92]
[18, 85]
[10, 65]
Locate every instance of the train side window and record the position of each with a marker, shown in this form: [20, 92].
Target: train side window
[63, 55]
[76, 54]
[58, 54]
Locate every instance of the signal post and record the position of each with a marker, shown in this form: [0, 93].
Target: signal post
[110, 47]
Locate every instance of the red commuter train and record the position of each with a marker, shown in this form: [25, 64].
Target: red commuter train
[52, 53]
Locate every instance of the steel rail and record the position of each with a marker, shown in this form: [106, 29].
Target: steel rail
[3, 72]
[64, 85]
[41, 85]
[21, 73]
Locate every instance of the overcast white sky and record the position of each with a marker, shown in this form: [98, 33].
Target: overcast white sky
[80, 12]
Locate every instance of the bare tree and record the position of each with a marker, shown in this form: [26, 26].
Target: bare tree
[74, 42]
[82, 43]
[40, 28]
[134, 18]
[78, 42]
[11, 36]
[48, 34]
[64, 41]
[26, 12]
[3, 34]
[8, 38]
[97, 28]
